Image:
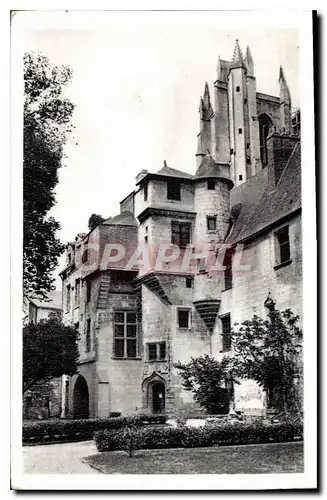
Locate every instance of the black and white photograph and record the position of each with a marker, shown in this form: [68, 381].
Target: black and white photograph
[163, 200]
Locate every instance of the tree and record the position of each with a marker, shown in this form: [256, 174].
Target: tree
[204, 376]
[267, 351]
[49, 350]
[94, 221]
[46, 127]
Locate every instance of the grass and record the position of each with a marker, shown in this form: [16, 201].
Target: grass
[249, 459]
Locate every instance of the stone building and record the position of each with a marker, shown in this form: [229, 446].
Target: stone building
[142, 287]
[44, 400]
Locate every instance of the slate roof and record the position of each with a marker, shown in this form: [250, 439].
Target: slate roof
[210, 169]
[123, 219]
[256, 205]
[173, 172]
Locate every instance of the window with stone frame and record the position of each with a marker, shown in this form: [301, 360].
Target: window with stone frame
[77, 291]
[173, 189]
[226, 333]
[211, 222]
[282, 243]
[145, 192]
[181, 233]
[228, 271]
[184, 318]
[156, 351]
[88, 335]
[125, 334]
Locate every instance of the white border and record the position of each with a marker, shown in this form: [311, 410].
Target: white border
[279, 17]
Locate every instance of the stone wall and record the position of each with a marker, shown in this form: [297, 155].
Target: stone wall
[251, 287]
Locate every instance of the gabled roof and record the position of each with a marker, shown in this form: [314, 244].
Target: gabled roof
[173, 172]
[257, 206]
[123, 219]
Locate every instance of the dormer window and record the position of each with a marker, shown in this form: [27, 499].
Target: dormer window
[173, 190]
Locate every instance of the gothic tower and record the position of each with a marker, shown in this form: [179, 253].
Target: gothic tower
[235, 132]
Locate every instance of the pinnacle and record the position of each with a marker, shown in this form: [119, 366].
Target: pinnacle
[237, 54]
[281, 73]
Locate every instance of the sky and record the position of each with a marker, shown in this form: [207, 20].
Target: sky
[137, 81]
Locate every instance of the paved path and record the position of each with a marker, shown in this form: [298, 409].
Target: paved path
[59, 458]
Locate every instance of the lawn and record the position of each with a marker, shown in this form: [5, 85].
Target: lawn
[249, 459]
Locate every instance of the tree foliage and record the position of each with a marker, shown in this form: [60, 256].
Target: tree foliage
[267, 351]
[47, 116]
[94, 221]
[204, 376]
[50, 350]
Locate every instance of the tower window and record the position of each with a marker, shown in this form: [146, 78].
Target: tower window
[240, 177]
[225, 333]
[146, 239]
[145, 192]
[283, 245]
[245, 100]
[264, 127]
[184, 318]
[180, 233]
[211, 185]
[125, 334]
[238, 88]
[231, 151]
[173, 190]
[211, 223]
[247, 145]
[239, 130]
[189, 282]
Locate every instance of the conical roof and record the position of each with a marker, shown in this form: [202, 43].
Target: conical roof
[209, 169]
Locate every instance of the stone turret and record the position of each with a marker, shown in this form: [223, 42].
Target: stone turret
[211, 204]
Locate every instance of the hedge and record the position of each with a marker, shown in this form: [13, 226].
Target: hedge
[44, 431]
[190, 437]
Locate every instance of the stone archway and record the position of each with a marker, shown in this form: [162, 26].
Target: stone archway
[154, 393]
[81, 398]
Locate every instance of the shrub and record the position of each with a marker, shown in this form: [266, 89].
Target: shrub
[191, 437]
[78, 430]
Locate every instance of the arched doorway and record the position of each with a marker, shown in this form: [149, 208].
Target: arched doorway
[265, 127]
[81, 398]
[157, 397]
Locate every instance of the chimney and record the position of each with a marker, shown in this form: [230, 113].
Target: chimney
[279, 149]
[140, 176]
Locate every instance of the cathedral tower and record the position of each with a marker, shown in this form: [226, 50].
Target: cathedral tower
[235, 132]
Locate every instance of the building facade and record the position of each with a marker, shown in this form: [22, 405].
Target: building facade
[189, 255]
